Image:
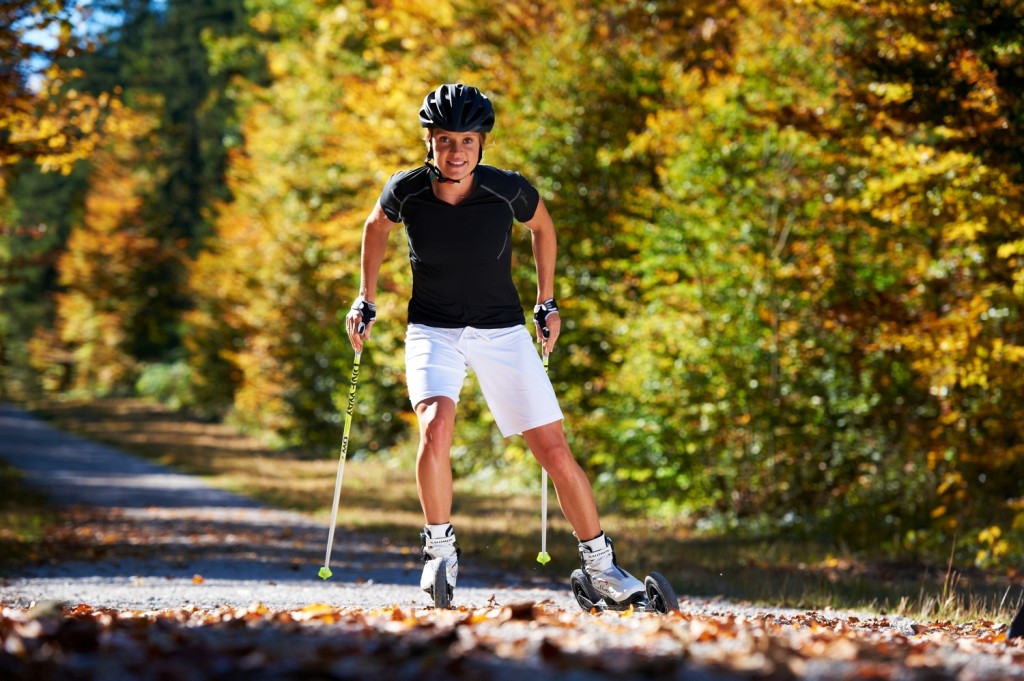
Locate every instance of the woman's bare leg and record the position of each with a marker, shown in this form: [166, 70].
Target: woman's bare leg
[433, 459]
[575, 495]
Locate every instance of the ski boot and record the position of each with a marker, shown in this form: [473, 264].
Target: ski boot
[601, 584]
[440, 565]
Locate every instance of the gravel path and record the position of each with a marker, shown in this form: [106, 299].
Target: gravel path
[162, 570]
[169, 540]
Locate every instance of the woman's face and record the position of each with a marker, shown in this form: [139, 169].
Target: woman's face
[456, 154]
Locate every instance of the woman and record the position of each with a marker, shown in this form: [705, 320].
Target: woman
[465, 313]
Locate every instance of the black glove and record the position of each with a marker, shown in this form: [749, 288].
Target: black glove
[541, 312]
[367, 312]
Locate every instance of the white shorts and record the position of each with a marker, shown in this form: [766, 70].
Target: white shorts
[506, 363]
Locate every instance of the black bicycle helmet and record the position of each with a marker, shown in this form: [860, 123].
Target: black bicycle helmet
[457, 108]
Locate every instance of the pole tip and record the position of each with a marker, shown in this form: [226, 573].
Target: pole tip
[543, 558]
[325, 572]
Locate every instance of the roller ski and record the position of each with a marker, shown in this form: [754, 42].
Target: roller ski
[440, 564]
[600, 584]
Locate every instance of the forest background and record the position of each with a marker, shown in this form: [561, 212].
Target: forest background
[792, 239]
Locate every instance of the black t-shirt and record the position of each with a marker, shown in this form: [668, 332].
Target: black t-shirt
[461, 255]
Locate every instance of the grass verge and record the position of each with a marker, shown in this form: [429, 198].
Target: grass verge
[25, 518]
[379, 495]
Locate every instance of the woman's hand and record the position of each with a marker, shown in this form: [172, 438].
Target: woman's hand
[359, 321]
[548, 323]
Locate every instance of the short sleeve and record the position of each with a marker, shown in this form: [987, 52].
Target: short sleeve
[525, 203]
[389, 200]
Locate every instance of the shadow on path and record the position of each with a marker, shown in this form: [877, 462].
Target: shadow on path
[125, 516]
[74, 471]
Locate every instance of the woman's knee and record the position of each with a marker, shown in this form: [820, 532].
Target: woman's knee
[437, 421]
[558, 461]
[550, 447]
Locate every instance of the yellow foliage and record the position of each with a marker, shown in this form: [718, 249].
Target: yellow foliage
[55, 126]
[994, 546]
[950, 481]
[262, 21]
[967, 230]
[893, 93]
[102, 256]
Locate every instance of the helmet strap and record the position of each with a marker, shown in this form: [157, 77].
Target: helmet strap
[441, 177]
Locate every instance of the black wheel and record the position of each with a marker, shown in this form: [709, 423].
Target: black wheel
[660, 593]
[442, 592]
[585, 594]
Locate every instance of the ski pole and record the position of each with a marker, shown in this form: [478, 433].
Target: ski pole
[543, 558]
[325, 571]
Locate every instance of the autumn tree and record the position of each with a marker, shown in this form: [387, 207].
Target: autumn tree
[47, 125]
[40, 118]
[318, 142]
[932, 116]
[103, 270]
[155, 54]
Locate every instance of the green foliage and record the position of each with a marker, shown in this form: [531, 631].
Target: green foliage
[36, 218]
[168, 383]
[25, 518]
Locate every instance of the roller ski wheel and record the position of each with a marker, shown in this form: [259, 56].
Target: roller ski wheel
[442, 592]
[661, 597]
[584, 592]
[440, 556]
